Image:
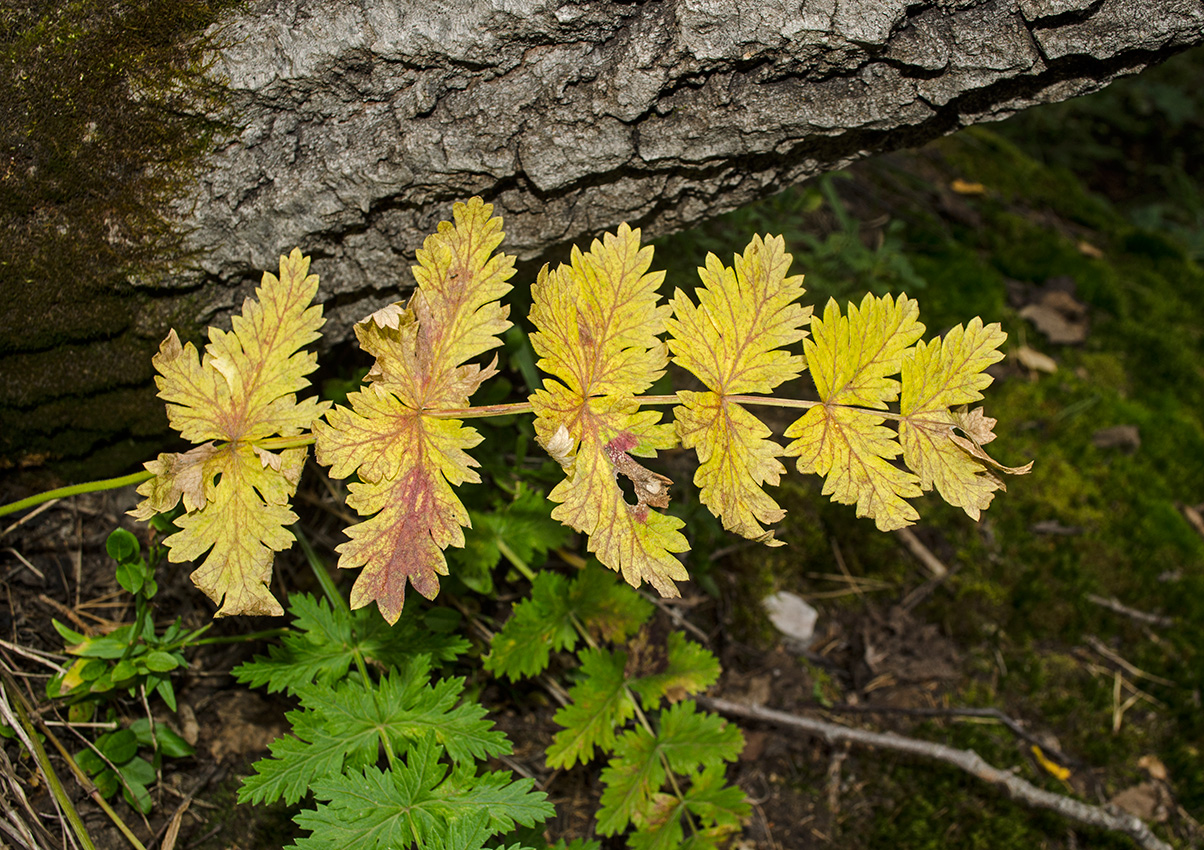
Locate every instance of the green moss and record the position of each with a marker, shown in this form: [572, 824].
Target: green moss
[103, 118]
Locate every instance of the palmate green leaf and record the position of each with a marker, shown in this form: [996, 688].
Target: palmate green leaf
[323, 645]
[408, 458]
[716, 809]
[243, 391]
[691, 669]
[418, 805]
[344, 726]
[851, 360]
[687, 740]
[600, 703]
[732, 341]
[599, 322]
[544, 621]
[540, 624]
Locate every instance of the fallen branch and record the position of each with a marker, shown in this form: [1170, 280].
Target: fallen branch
[968, 760]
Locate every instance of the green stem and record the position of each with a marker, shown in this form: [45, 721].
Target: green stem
[320, 572]
[517, 562]
[264, 635]
[75, 490]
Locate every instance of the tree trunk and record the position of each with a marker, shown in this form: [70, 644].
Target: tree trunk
[361, 121]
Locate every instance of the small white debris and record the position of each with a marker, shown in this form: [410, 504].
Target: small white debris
[791, 615]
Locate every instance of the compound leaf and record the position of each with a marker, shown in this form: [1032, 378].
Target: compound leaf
[418, 804]
[408, 458]
[322, 645]
[543, 622]
[851, 360]
[687, 739]
[630, 780]
[598, 324]
[243, 390]
[521, 528]
[732, 341]
[343, 726]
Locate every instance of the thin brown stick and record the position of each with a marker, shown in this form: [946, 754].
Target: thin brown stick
[968, 760]
[1113, 604]
[922, 553]
[955, 712]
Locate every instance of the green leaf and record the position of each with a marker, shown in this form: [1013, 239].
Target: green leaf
[323, 645]
[167, 692]
[686, 740]
[418, 804]
[121, 545]
[344, 725]
[90, 762]
[522, 529]
[600, 702]
[107, 782]
[161, 662]
[138, 771]
[691, 670]
[118, 747]
[629, 781]
[539, 624]
[609, 609]
[131, 576]
[170, 744]
[690, 738]
[71, 637]
[137, 796]
[123, 670]
[716, 804]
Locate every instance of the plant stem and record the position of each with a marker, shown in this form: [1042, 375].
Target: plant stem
[320, 572]
[481, 412]
[517, 562]
[264, 635]
[75, 490]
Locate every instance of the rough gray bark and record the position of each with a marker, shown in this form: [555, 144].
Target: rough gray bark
[365, 120]
[361, 121]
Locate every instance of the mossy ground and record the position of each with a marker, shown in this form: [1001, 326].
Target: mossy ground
[1018, 609]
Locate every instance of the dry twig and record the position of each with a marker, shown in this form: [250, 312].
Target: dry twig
[922, 553]
[1113, 604]
[969, 761]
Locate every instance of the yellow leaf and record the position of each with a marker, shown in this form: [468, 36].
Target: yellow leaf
[599, 322]
[852, 449]
[851, 360]
[732, 342]
[243, 390]
[1051, 767]
[406, 457]
[936, 376]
